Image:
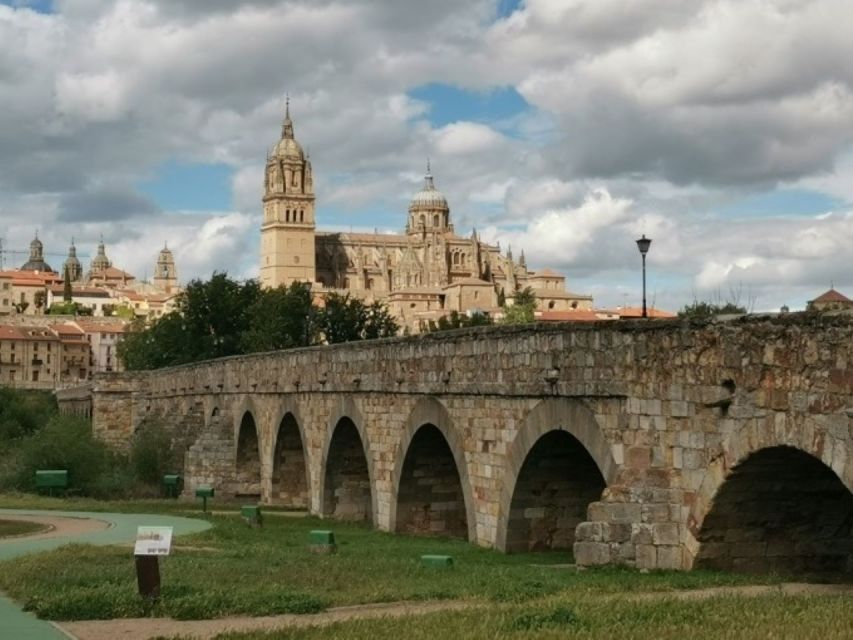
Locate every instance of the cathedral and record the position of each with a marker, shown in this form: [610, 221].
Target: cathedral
[422, 274]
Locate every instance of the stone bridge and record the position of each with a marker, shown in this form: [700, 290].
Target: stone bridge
[657, 445]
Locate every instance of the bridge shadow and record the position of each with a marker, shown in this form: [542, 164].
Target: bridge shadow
[247, 477]
[781, 510]
[430, 498]
[289, 470]
[556, 484]
[347, 487]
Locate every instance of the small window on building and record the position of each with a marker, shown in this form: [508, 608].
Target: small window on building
[551, 304]
[575, 304]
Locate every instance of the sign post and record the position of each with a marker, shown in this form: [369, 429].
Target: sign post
[151, 543]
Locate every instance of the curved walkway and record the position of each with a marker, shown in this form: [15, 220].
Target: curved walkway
[78, 527]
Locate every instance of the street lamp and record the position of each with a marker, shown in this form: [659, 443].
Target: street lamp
[643, 245]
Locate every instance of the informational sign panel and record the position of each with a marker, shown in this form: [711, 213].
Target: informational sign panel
[153, 541]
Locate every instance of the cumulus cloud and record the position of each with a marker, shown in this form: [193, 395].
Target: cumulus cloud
[644, 116]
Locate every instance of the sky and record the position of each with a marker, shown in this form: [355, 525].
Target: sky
[721, 129]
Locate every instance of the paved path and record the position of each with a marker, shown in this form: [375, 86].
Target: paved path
[77, 527]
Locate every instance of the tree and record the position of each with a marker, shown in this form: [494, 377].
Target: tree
[456, 320]
[163, 344]
[522, 309]
[67, 291]
[281, 318]
[706, 310]
[39, 299]
[216, 313]
[344, 319]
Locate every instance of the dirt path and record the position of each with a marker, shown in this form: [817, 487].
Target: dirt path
[147, 628]
[58, 527]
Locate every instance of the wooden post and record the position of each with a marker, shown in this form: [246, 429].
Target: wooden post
[148, 576]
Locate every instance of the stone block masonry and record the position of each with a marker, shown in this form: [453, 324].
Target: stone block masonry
[652, 444]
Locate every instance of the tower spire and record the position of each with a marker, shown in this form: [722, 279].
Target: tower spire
[287, 125]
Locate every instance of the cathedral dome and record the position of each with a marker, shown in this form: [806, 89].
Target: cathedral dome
[36, 261]
[288, 149]
[428, 198]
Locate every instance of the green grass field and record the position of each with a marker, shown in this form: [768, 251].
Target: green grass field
[233, 569]
[566, 618]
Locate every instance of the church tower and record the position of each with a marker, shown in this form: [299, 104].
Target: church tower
[165, 273]
[287, 232]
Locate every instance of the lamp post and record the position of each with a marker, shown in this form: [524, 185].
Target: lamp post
[643, 245]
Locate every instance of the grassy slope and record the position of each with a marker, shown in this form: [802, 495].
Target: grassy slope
[234, 569]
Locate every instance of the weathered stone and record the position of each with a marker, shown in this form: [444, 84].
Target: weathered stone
[629, 456]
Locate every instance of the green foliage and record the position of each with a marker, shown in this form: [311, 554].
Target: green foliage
[706, 310]
[525, 297]
[216, 313]
[280, 319]
[22, 412]
[345, 319]
[523, 307]
[456, 320]
[66, 442]
[223, 317]
[69, 309]
[67, 291]
[151, 454]
[160, 345]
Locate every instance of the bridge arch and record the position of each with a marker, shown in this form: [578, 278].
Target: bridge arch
[774, 501]
[430, 444]
[346, 484]
[247, 457]
[290, 461]
[540, 504]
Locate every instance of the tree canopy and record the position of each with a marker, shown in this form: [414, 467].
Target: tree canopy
[522, 309]
[224, 317]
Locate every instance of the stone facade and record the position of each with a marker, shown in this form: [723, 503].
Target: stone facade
[423, 274]
[656, 445]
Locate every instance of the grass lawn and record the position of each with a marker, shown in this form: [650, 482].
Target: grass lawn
[10, 528]
[233, 569]
[585, 617]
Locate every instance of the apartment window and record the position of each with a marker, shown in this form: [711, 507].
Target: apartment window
[35, 376]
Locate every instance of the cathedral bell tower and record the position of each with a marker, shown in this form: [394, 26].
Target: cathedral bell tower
[287, 232]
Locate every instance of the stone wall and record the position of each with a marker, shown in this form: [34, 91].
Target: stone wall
[661, 412]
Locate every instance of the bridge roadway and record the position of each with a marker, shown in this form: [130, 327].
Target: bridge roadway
[661, 444]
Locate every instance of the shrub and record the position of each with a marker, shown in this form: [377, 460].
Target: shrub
[151, 453]
[22, 412]
[66, 442]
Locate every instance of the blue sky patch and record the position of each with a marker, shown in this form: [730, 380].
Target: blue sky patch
[42, 6]
[190, 186]
[782, 202]
[507, 7]
[452, 104]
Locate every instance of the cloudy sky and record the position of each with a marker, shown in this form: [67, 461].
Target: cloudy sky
[722, 129]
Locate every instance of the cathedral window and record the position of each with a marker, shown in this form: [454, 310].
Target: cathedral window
[435, 220]
[287, 215]
[301, 215]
